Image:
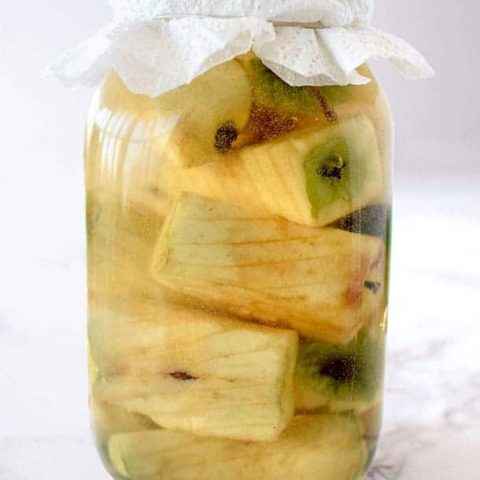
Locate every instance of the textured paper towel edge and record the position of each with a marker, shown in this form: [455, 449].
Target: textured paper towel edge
[153, 56]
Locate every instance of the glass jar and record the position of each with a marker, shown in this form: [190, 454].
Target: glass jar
[238, 245]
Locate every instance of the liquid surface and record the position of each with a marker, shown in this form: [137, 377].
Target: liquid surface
[238, 277]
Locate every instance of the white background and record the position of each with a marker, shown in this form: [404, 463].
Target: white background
[433, 382]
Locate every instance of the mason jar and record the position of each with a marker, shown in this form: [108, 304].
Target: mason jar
[238, 251]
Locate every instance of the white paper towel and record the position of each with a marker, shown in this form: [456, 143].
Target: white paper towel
[158, 45]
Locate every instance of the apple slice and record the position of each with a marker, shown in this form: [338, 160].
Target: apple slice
[326, 447]
[267, 269]
[311, 177]
[193, 371]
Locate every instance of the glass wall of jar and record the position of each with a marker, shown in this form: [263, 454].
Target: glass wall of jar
[238, 245]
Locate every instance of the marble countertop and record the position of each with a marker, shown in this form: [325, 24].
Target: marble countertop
[432, 411]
